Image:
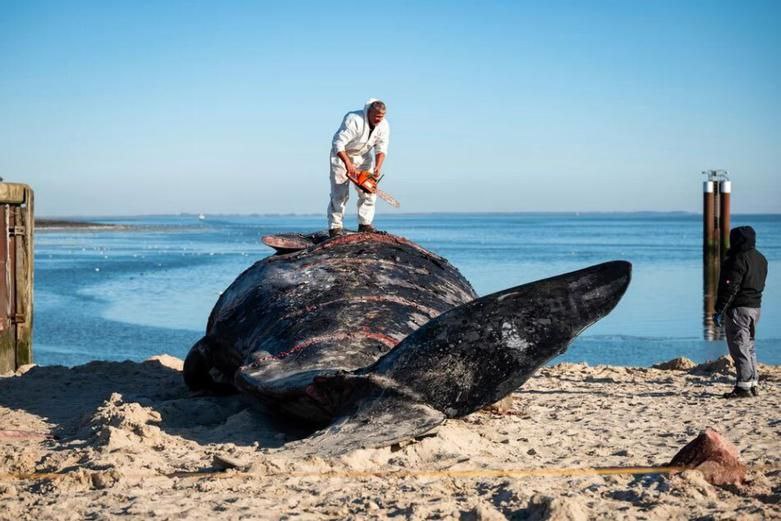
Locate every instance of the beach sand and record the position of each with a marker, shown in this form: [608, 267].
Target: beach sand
[127, 440]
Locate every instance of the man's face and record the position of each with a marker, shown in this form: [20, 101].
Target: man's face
[375, 116]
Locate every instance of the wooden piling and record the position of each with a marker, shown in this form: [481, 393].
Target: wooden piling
[715, 242]
[710, 243]
[16, 281]
[725, 189]
[710, 257]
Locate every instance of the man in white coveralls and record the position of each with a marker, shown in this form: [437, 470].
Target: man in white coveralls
[361, 133]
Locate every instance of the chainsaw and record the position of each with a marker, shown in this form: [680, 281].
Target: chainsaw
[366, 181]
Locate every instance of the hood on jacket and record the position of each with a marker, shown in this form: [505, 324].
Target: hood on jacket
[742, 238]
[366, 106]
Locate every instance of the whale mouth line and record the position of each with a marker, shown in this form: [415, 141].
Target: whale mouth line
[338, 336]
[428, 311]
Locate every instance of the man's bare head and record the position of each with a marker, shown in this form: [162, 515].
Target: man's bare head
[376, 113]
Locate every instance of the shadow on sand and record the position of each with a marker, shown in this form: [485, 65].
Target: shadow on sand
[67, 398]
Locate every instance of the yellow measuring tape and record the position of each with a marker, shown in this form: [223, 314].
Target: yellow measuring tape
[564, 472]
[467, 474]
[398, 474]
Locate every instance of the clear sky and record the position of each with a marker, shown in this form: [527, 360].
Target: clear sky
[116, 108]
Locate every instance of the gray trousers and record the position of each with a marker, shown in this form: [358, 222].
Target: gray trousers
[740, 325]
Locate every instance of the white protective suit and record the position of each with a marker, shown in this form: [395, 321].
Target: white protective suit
[361, 144]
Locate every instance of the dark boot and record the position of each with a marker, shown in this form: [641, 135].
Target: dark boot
[366, 228]
[755, 391]
[737, 392]
[335, 232]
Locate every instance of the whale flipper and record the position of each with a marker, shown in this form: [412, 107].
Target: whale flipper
[479, 352]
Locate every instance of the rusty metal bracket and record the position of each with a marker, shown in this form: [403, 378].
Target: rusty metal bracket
[16, 231]
[19, 318]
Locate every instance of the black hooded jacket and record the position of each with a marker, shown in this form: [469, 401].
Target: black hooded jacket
[743, 272]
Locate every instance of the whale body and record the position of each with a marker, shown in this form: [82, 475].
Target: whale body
[373, 339]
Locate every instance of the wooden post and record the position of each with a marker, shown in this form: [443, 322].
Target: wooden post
[725, 188]
[710, 257]
[715, 242]
[16, 276]
[708, 219]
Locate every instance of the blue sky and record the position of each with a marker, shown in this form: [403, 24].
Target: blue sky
[229, 107]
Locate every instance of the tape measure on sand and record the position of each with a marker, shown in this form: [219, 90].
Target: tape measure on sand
[563, 472]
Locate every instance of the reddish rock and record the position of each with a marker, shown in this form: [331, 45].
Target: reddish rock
[714, 456]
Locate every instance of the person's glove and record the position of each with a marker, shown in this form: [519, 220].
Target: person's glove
[717, 319]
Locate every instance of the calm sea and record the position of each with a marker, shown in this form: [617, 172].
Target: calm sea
[130, 294]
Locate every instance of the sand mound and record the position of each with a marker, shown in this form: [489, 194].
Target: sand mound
[169, 361]
[723, 365]
[676, 364]
[117, 425]
[546, 508]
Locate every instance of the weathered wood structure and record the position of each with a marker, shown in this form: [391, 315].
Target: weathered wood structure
[715, 242]
[16, 267]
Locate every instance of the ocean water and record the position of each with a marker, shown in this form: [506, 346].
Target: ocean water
[133, 293]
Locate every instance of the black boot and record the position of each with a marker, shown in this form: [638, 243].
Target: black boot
[335, 232]
[366, 228]
[737, 392]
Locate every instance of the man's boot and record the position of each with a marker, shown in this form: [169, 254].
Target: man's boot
[737, 392]
[335, 232]
[366, 228]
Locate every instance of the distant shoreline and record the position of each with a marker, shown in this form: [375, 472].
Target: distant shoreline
[58, 224]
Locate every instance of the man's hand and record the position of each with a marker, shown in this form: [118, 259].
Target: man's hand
[348, 164]
[351, 171]
[717, 319]
[376, 175]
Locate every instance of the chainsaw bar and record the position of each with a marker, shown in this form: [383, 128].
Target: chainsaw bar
[388, 198]
[370, 185]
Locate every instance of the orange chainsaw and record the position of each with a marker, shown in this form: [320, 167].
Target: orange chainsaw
[366, 181]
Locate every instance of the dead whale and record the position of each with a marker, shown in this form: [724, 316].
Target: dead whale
[374, 339]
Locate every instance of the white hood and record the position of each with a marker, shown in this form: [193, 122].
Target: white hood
[356, 137]
[366, 106]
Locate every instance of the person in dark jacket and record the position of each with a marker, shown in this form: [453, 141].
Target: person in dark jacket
[742, 279]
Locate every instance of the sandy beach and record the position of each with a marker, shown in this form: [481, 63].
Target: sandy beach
[112, 440]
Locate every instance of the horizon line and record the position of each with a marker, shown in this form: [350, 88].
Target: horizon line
[455, 212]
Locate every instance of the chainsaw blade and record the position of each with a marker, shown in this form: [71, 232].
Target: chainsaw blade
[388, 198]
